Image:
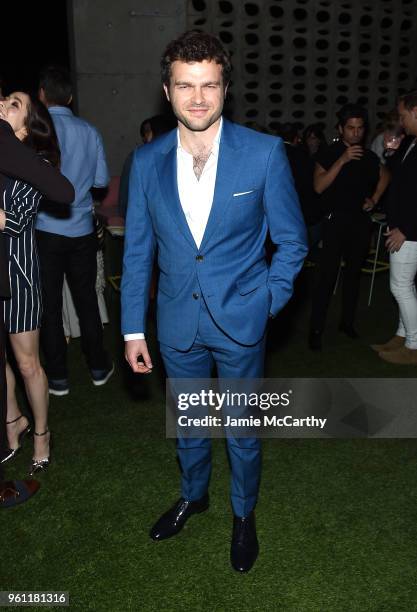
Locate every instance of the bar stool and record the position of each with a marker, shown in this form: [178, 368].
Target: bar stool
[375, 264]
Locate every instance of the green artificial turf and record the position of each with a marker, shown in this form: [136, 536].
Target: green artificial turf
[336, 518]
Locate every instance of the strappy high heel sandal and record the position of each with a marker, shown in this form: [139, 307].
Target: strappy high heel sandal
[13, 451]
[41, 464]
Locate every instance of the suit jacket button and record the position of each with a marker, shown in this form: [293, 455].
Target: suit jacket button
[196, 296]
[199, 258]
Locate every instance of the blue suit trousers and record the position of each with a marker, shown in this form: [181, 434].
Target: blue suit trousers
[232, 360]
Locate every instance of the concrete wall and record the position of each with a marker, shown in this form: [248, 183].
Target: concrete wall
[293, 61]
[116, 48]
[301, 60]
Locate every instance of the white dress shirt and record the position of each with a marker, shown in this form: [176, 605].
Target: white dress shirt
[196, 195]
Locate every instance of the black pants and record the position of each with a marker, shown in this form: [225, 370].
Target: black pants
[344, 236]
[77, 259]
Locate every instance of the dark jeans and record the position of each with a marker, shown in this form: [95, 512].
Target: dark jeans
[77, 259]
[344, 236]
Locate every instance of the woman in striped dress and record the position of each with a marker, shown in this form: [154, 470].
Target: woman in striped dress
[23, 311]
[31, 123]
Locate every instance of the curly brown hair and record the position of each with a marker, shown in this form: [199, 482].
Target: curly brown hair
[195, 46]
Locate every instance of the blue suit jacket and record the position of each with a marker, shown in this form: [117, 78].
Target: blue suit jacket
[254, 193]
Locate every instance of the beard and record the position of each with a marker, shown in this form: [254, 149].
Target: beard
[197, 124]
[354, 141]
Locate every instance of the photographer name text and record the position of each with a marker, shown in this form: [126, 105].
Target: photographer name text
[251, 421]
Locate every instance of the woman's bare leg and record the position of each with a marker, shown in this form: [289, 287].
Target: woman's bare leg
[26, 351]
[15, 424]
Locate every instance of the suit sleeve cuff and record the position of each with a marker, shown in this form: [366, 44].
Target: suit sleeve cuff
[138, 336]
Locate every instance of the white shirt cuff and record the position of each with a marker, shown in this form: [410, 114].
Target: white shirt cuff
[138, 336]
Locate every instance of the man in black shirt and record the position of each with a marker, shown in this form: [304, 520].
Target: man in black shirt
[402, 238]
[351, 181]
[302, 168]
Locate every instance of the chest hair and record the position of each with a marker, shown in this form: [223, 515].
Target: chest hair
[200, 158]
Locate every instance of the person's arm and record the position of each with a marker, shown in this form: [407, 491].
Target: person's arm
[138, 260]
[383, 182]
[102, 177]
[21, 162]
[324, 178]
[24, 206]
[286, 228]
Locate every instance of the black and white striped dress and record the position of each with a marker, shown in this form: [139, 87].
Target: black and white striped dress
[23, 311]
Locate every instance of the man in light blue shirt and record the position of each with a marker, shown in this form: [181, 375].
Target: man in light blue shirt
[83, 162]
[66, 239]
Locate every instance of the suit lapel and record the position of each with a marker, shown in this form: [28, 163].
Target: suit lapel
[166, 166]
[410, 151]
[226, 179]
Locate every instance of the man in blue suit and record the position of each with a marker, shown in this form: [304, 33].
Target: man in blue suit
[206, 195]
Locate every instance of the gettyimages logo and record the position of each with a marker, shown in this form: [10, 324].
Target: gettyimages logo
[292, 408]
[252, 403]
[229, 399]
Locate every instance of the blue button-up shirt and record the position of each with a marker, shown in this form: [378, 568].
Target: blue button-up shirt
[83, 162]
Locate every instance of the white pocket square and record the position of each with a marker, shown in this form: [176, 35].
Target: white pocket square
[235, 195]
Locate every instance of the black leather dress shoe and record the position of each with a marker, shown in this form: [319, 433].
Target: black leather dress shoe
[245, 547]
[349, 330]
[175, 518]
[314, 340]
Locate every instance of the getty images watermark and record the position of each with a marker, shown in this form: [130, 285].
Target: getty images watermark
[230, 404]
[292, 408]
